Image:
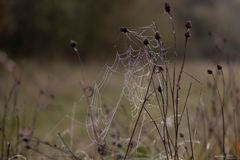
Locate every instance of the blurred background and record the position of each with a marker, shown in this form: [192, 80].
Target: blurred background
[43, 29]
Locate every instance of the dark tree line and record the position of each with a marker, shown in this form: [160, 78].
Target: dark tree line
[44, 27]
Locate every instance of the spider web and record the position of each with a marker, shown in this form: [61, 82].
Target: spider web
[142, 53]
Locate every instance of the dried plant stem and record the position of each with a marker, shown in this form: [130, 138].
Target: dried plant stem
[176, 107]
[222, 112]
[155, 124]
[139, 114]
[83, 84]
[4, 117]
[185, 103]
[190, 136]
[68, 148]
[164, 118]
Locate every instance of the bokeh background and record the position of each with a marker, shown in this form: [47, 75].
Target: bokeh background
[42, 29]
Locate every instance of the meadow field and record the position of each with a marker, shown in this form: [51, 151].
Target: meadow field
[48, 99]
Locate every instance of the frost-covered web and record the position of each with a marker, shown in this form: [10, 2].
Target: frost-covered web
[143, 52]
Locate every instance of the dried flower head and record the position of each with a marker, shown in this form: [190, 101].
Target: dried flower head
[181, 135]
[123, 29]
[28, 147]
[158, 69]
[73, 43]
[167, 8]
[146, 42]
[188, 25]
[219, 67]
[157, 36]
[88, 91]
[102, 149]
[209, 71]
[159, 89]
[188, 34]
[25, 139]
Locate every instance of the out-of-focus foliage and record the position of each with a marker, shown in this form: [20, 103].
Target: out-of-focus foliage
[29, 28]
